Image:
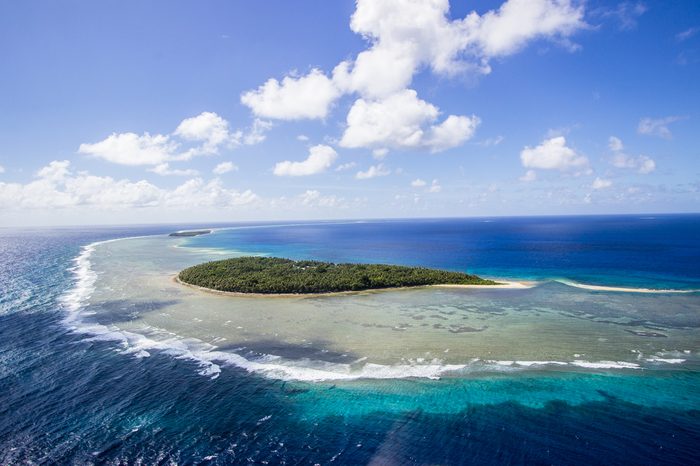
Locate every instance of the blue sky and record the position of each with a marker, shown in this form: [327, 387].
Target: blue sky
[184, 111]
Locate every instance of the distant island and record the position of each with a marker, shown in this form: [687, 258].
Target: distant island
[272, 275]
[191, 233]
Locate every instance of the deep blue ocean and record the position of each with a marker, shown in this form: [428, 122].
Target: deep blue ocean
[67, 398]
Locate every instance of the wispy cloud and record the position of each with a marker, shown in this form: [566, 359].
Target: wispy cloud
[687, 34]
[625, 14]
[641, 163]
[658, 126]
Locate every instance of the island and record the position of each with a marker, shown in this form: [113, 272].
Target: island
[273, 275]
[191, 233]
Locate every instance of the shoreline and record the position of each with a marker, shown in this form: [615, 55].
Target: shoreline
[501, 285]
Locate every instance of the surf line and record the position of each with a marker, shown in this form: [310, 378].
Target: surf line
[621, 289]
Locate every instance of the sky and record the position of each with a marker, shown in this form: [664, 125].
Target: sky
[124, 111]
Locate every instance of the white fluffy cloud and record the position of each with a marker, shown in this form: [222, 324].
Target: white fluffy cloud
[402, 120]
[56, 186]
[418, 183]
[395, 121]
[320, 159]
[132, 149]
[405, 36]
[295, 98]
[372, 172]
[657, 126]
[2, 169]
[224, 167]
[55, 171]
[641, 163]
[452, 132]
[517, 22]
[207, 129]
[601, 183]
[553, 154]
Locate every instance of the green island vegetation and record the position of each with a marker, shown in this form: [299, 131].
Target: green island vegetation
[191, 233]
[273, 275]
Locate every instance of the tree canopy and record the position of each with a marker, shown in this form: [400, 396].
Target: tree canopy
[272, 275]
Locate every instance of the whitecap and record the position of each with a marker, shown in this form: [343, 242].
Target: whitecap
[622, 289]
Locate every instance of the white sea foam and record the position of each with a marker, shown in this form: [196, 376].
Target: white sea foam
[606, 364]
[210, 360]
[575, 363]
[622, 289]
[666, 360]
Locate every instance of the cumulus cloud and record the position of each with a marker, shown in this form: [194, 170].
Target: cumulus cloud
[395, 121]
[320, 159]
[600, 183]
[208, 130]
[295, 98]
[517, 22]
[452, 132]
[55, 171]
[402, 120]
[224, 167]
[207, 127]
[56, 186]
[2, 169]
[657, 126]
[418, 183]
[372, 172]
[404, 37]
[553, 154]
[132, 149]
[641, 163]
